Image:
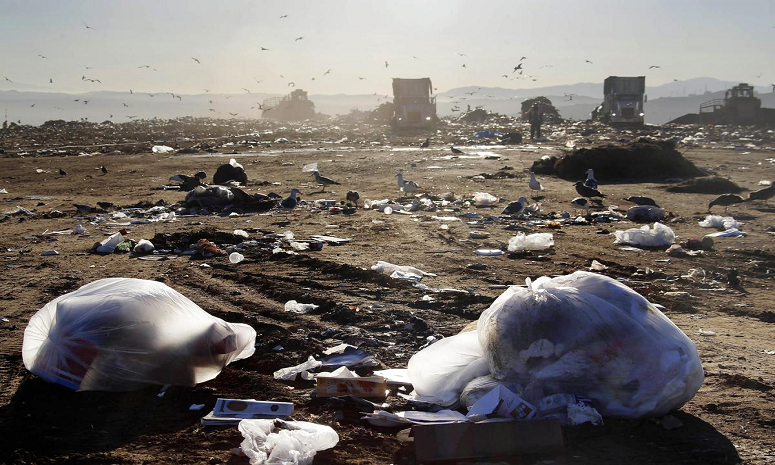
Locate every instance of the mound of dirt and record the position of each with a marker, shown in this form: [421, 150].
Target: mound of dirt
[707, 185]
[642, 160]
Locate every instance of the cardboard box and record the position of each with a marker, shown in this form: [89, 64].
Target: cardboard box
[491, 438]
[369, 387]
[244, 408]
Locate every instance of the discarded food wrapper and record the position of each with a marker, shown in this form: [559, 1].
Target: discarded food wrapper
[489, 252]
[284, 442]
[728, 233]
[400, 271]
[344, 382]
[483, 199]
[538, 241]
[387, 419]
[120, 334]
[501, 403]
[250, 408]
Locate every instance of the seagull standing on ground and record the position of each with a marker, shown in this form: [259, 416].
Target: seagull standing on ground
[515, 208]
[324, 181]
[588, 192]
[104, 170]
[457, 151]
[725, 200]
[763, 194]
[406, 185]
[353, 196]
[639, 200]
[290, 202]
[426, 144]
[62, 172]
[534, 184]
[591, 182]
[581, 202]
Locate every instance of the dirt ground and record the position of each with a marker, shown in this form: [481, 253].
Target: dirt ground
[731, 420]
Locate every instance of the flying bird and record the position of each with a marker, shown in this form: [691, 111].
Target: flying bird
[517, 68]
[45, 58]
[86, 102]
[587, 61]
[88, 67]
[570, 97]
[327, 72]
[523, 58]
[264, 49]
[505, 75]
[464, 65]
[130, 91]
[88, 27]
[359, 78]
[257, 81]
[283, 16]
[299, 38]
[8, 80]
[197, 61]
[233, 114]
[50, 81]
[144, 66]
[386, 64]
[32, 106]
[246, 90]
[291, 84]
[125, 105]
[462, 54]
[654, 67]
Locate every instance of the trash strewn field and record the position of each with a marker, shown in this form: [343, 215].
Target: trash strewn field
[720, 297]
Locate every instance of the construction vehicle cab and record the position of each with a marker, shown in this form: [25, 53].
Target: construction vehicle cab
[414, 105]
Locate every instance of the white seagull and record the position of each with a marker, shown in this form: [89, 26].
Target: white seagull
[406, 185]
[534, 184]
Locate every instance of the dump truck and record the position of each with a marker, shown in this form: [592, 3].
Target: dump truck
[622, 101]
[413, 103]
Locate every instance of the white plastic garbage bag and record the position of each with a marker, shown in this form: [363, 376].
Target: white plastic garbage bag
[538, 241]
[720, 222]
[441, 371]
[120, 334]
[659, 236]
[581, 334]
[483, 199]
[162, 149]
[281, 442]
[400, 271]
[592, 336]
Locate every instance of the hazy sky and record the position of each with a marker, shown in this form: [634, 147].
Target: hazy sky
[730, 40]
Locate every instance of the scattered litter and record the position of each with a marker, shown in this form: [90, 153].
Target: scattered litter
[597, 266]
[236, 257]
[382, 418]
[400, 271]
[196, 407]
[659, 236]
[78, 229]
[720, 222]
[483, 199]
[109, 245]
[705, 332]
[241, 233]
[538, 241]
[330, 239]
[49, 253]
[344, 382]
[296, 307]
[143, 246]
[351, 357]
[302, 369]
[284, 442]
[646, 213]
[728, 233]
[501, 403]
[231, 411]
[669, 422]
[162, 149]
[489, 252]
[121, 334]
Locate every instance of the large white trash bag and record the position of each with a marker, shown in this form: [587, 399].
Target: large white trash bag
[441, 371]
[589, 335]
[120, 334]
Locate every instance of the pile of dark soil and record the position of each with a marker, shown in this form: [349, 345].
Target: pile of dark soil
[642, 160]
[707, 185]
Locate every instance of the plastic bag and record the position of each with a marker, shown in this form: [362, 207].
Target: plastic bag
[538, 241]
[284, 442]
[589, 335]
[162, 149]
[645, 213]
[441, 371]
[483, 199]
[659, 236]
[120, 334]
[720, 222]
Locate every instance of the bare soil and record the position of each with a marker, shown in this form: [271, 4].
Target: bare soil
[730, 420]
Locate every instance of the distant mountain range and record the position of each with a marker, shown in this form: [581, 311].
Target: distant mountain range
[576, 101]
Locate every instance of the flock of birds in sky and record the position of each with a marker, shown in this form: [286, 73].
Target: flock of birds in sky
[518, 72]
